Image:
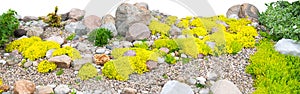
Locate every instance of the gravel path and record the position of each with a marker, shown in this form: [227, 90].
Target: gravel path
[230, 67]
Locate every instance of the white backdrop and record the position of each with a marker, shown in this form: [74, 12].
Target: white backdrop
[43, 7]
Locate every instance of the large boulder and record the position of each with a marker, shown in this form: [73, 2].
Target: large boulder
[92, 22]
[176, 87]
[288, 46]
[242, 11]
[137, 31]
[108, 19]
[77, 27]
[76, 14]
[24, 87]
[224, 87]
[128, 14]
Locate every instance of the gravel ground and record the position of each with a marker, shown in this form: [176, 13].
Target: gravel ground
[230, 67]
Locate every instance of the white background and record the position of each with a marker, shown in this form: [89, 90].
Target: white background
[43, 7]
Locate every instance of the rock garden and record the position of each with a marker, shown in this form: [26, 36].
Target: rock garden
[143, 51]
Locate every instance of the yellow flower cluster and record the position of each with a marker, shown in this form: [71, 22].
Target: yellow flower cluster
[202, 47]
[32, 48]
[69, 51]
[1, 84]
[188, 46]
[158, 27]
[123, 66]
[45, 66]
[184, 23]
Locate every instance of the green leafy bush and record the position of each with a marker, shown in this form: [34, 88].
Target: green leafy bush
[168, 43]
[100, 36]
[87, 71]
[282, 19]
[53, 19]
[45, 66]
[71, 37]
[170, 59]
[274, 73]
[8, 24]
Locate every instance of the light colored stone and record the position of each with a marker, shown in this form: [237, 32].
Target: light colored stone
[201, 80]
[34, 31]
[183, 55]
[160, 60]
[151, 64]
[27, 64]
[77, 64]
[35, 63]
[24, 87]
[100, 51]
[192, 81]
[129, 91]
[2, 62]
[76, 14]
[62, 61]
[212, 76]
[175, 87]
[288, 47]
[77, 27]
[62, 89]
[224, 87]
[57, 39]
[45, 90]
[111, 27]
[49, 53]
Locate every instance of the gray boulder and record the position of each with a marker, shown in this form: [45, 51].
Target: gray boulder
[137, 31]
[111, 27]
[77, 27]
[34, 31]
[128, 14]
[288, 46]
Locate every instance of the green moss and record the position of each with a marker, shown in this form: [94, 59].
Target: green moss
[119, 52]
[45, 66]
[171, 20]
[170, 59]
[158, 27]
[188, 46]
[168, 43]
[87, 71]
[69, 51]
[274, 73]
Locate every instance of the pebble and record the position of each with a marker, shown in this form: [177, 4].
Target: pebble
[100, 51]
[35, 63]
[3, 62]
[183, 56]
[201, 80]
[27, 64]
[6, 55]
[212, 76]
[192, 81]
[160, 60]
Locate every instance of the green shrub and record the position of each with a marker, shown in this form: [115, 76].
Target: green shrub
[53, 19]
[45, 66]
[168, 43]
[71, 37]
[100, 36]
[142, 45]
[87, 71]
[8, 24]
[274, 73]
[282, 19]
[170, 59]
